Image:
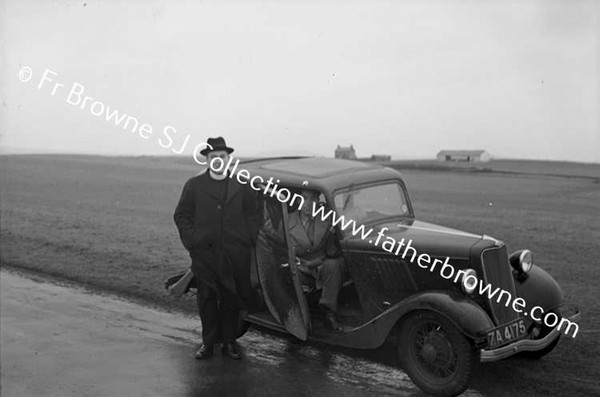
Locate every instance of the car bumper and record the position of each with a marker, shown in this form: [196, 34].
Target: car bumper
[524, 344]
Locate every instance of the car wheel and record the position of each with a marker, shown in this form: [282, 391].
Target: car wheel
[535, 355]
[435, 354]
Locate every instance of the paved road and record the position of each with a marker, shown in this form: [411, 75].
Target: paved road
[60, 341]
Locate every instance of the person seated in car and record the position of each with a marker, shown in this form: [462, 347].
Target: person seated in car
[310, 236]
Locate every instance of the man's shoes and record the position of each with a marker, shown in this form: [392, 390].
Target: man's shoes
[331, 322]
[232, 350]
[205, 351]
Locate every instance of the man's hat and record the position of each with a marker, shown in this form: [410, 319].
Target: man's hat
[214, 144]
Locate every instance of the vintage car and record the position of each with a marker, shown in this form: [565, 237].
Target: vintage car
[441, 327]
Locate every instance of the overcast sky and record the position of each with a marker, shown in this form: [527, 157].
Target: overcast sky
[405, 78]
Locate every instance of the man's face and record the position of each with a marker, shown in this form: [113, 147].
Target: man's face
[309, 198]
[218, 167]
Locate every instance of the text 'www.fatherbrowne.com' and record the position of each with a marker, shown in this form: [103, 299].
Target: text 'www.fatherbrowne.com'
[446, 270]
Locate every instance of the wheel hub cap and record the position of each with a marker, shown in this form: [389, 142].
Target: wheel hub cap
[429, 354]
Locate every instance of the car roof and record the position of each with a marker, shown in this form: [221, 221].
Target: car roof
[324, 174]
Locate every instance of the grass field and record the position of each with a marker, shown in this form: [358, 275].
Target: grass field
[523, 167]
[107, 223]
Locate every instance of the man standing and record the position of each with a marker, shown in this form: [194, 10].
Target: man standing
[218, 222]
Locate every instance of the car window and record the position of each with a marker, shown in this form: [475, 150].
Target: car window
[371, 203]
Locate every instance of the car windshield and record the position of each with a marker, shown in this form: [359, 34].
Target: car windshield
[366, 204]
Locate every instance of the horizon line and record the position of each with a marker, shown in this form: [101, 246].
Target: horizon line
[26, 152]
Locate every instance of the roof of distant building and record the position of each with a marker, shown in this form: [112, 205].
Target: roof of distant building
[461, 152]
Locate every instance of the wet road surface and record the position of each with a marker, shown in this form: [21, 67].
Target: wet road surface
[63, 341]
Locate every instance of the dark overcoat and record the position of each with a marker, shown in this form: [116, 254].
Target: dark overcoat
[217, 234]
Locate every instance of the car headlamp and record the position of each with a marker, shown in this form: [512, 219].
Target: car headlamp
[521, 261]
[469, 281]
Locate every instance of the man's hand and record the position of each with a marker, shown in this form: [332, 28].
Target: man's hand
[310, 263]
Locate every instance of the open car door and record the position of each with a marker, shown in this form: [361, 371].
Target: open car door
[277, 271]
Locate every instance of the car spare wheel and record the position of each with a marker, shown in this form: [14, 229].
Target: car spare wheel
[438, 358]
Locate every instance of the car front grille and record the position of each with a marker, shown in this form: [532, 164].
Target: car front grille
[498, 273]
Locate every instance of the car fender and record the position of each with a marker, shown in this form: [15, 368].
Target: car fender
[539, 288]
[464, 313]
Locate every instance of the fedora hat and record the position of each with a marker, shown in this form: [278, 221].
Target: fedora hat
[214, 144]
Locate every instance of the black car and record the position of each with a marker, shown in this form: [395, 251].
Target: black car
[396, 284]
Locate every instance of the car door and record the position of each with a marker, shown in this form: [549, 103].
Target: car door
[278, 273]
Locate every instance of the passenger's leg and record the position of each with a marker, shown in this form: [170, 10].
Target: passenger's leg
[307, 280]
[330, 277]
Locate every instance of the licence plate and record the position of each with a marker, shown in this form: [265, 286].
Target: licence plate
[506, 333]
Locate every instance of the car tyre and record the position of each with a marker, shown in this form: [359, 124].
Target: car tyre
[438, 358]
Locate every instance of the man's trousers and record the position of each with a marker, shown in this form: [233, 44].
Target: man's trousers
[329, 277]
[219, 314]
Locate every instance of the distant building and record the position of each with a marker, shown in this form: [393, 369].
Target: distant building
[381, 157]
[345, 152]
[472, 156]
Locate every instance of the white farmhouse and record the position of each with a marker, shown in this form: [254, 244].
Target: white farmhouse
[474, 156]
